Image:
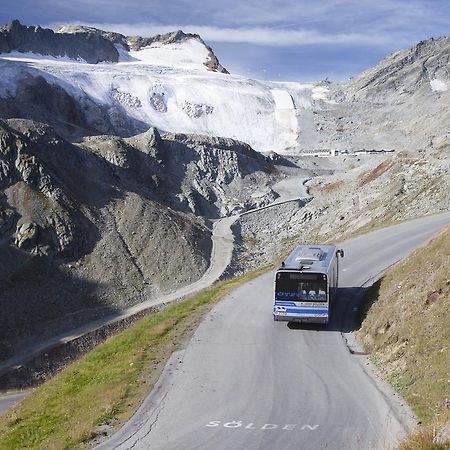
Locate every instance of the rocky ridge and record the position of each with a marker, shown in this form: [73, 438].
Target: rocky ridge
[114, 221]
[362, 193]
[89, 45]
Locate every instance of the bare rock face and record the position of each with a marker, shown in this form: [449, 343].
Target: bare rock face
[85, 232]
[30, 237]
[207, 176]
[48, 217]
[88, 45]
[406, 73]
[114, 221]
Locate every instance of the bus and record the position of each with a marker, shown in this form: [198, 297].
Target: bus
[306, 284]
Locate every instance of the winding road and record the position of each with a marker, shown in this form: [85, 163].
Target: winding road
[222, 237]
[245, 381]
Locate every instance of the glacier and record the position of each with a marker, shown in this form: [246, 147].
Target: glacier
[167, 86]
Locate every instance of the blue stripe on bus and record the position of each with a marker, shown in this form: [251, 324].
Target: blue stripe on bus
[283, 303]
[306, 311]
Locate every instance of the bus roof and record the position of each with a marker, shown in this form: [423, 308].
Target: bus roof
[310, 257]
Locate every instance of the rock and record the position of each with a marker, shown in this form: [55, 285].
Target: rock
[158, 102]
[151, 139]
[89, 44]
[443, 435]
[26, 235]
[196, 110]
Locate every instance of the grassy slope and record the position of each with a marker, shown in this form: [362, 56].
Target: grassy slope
[107, 385]
[407, 329]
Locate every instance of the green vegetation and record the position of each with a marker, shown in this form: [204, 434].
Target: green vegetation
[107, 385]
[407, 330]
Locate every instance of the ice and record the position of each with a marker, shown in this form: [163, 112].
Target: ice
[438, 85]
[190, 54]
[169, 87]
[32, 57]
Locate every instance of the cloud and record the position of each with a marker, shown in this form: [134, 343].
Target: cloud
[254, 35]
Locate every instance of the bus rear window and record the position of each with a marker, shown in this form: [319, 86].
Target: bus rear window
[301, 287]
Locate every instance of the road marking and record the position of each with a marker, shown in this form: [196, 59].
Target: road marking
[252, 426]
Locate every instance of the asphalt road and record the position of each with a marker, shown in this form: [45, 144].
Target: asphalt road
[7, 401]
[245, 381]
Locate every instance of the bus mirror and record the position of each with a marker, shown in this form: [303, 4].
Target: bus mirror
[341, 252]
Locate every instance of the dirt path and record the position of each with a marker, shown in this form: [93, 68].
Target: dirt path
[222, 250]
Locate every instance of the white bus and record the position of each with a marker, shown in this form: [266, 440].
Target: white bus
[306, 284]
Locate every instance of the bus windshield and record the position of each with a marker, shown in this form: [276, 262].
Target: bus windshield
[301, 287]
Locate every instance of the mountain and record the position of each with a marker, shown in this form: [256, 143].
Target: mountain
[401, 103]
[86, 81]
[91, 228]
[173, 82]
[87, 45]
[117, 153]
[405, 97]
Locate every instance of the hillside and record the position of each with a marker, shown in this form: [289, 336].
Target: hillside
[348, 195]
[407, 331]
[173, 82]
[92, 228]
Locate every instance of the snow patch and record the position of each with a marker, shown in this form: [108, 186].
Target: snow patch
[158, 102]
[320, 93]
[283, 99]
[32, 57]
[438, 85]
[189, 54]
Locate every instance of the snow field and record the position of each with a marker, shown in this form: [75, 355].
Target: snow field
[169, 87]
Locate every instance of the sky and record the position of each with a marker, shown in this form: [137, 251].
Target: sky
[294, 40]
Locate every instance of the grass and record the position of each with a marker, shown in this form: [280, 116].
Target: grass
[107, 385]
[407, 330]
[424, 439]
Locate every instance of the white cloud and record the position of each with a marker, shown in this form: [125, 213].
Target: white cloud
[253, 35]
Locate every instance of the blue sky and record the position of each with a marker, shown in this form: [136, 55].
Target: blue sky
[279, 40]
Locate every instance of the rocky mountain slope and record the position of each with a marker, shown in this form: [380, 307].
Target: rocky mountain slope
[175, 82]
[363, 193]
[88, 229]
[401, 103]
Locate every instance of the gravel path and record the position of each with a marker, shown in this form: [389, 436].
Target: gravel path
[222, 250]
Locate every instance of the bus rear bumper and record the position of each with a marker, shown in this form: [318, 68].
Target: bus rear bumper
[298, 318]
